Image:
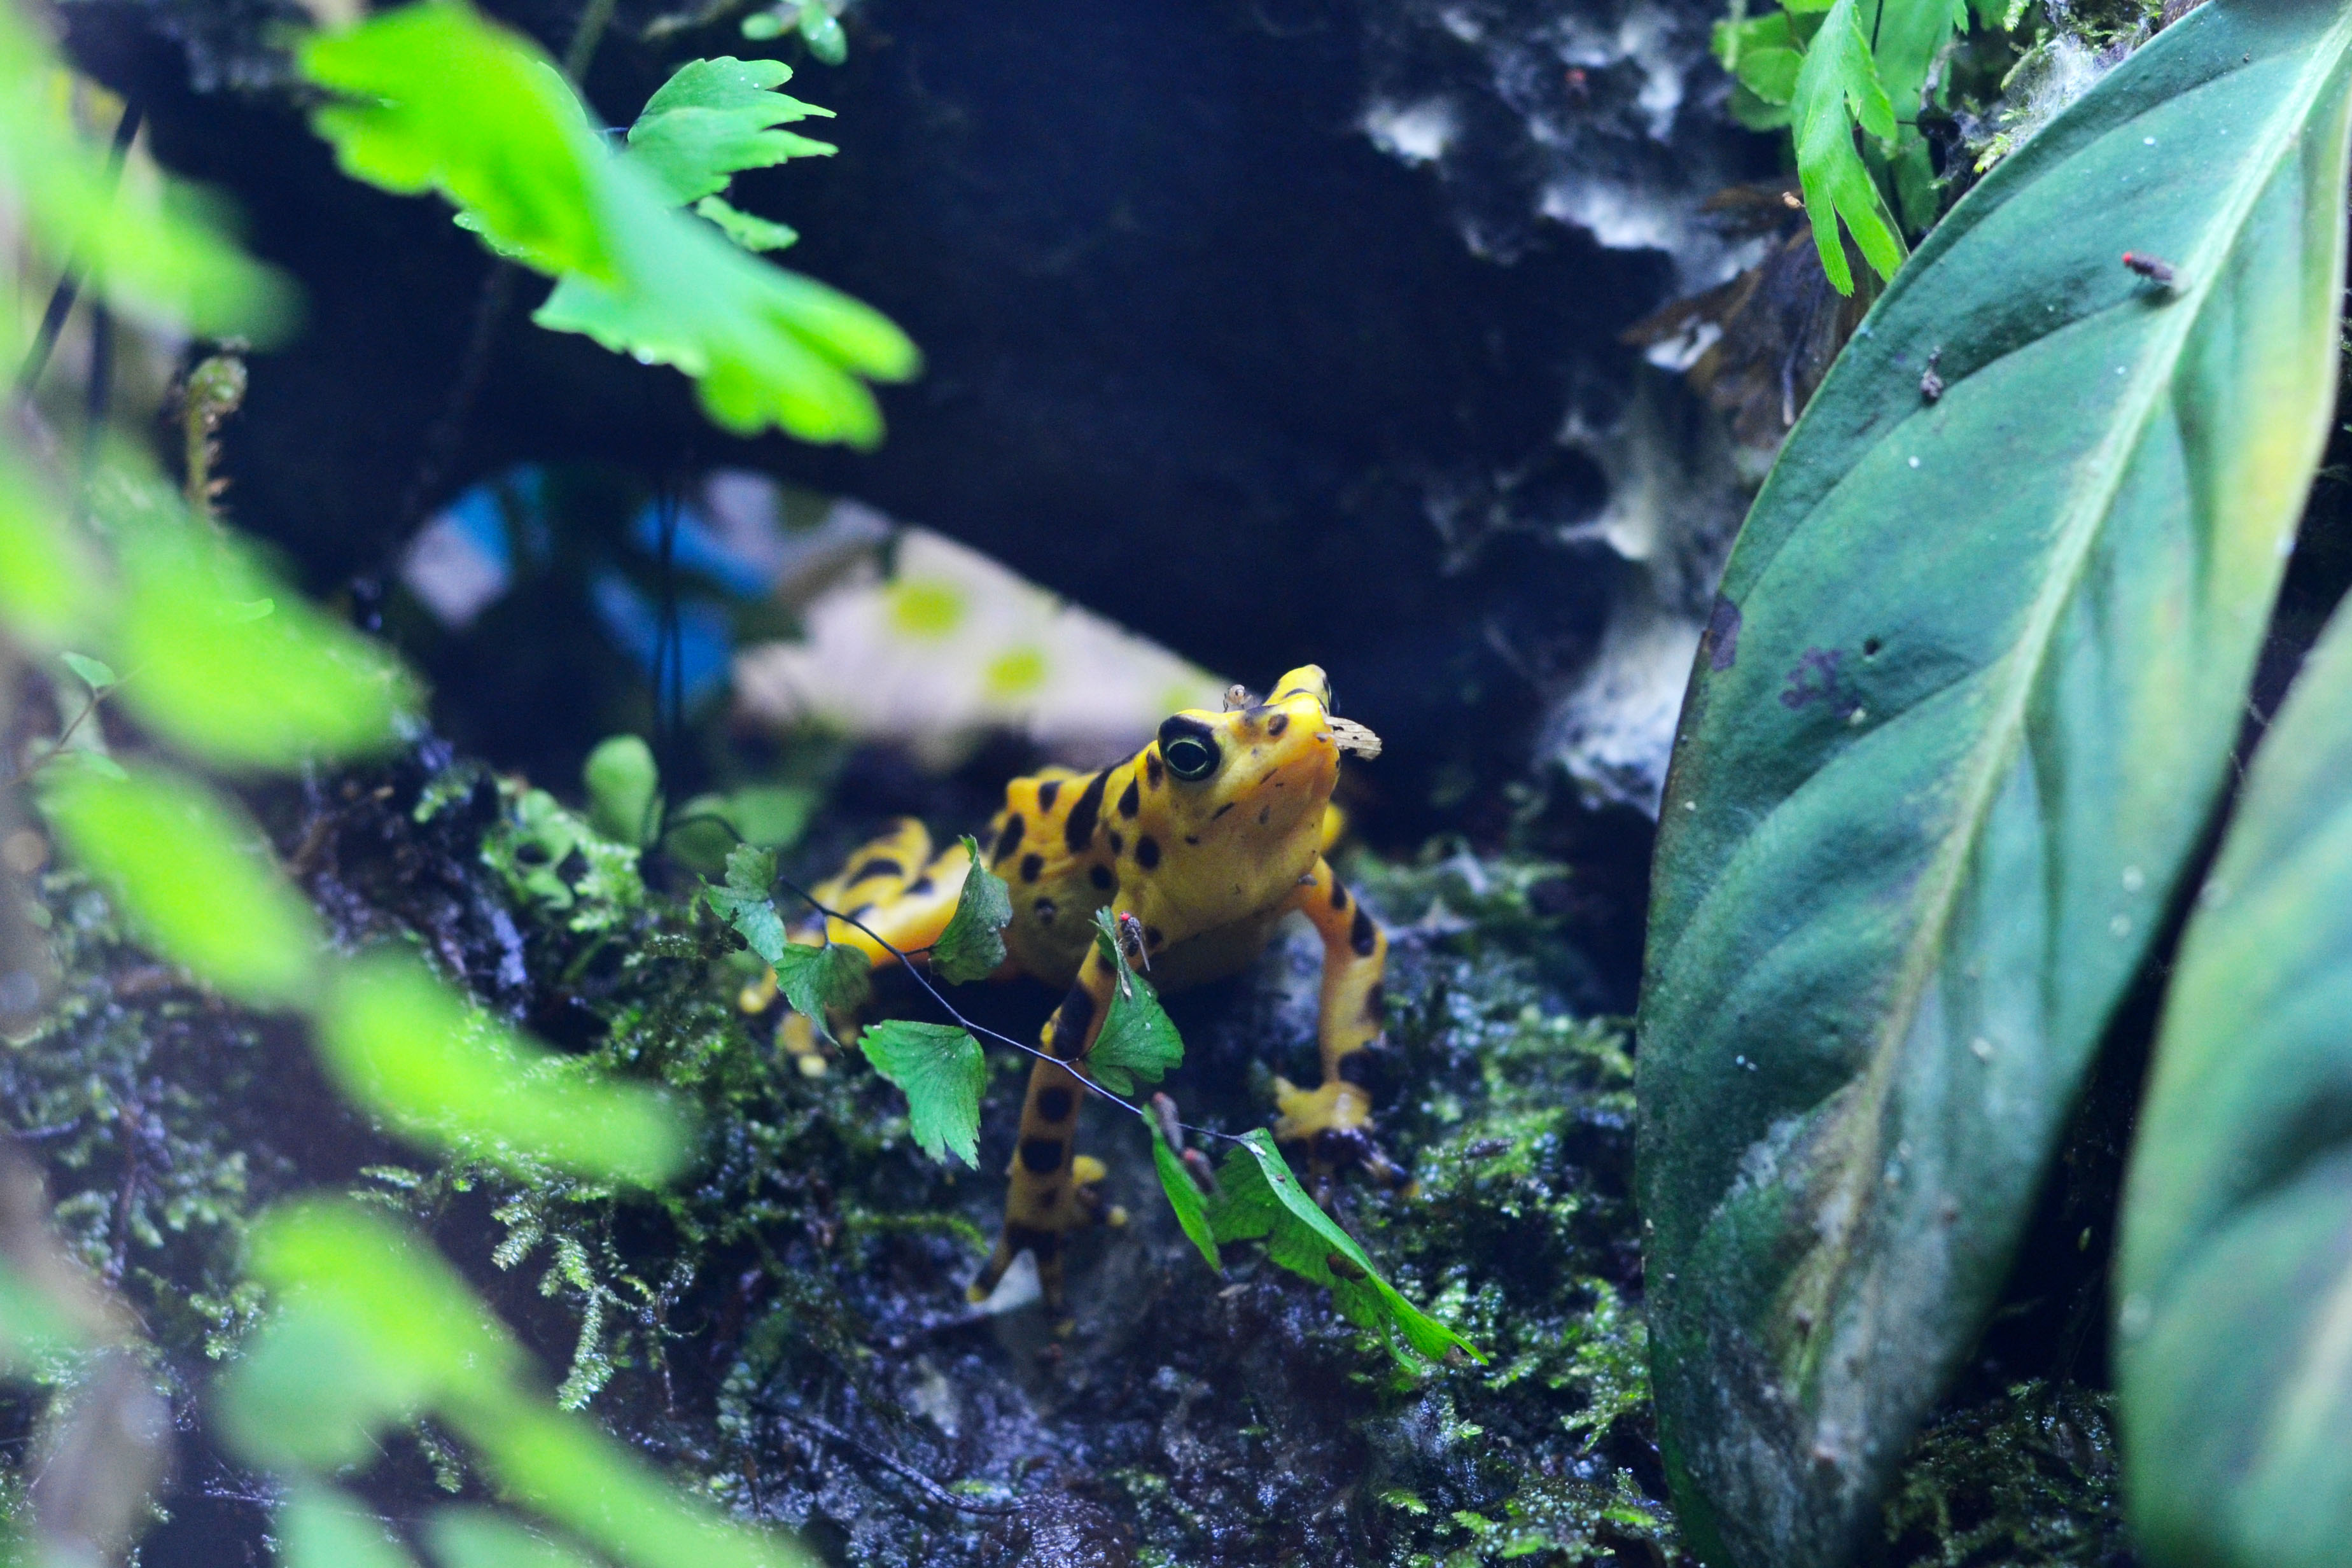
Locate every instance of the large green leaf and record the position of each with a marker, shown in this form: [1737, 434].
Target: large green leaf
[2235, 1275]
[1961, 714]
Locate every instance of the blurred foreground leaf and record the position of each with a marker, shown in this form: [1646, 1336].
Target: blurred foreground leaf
[444, 100]
[226, 665]
[373, 1329]
[942, 1070]
[442, 1071]
[49, 583]
[436, 98]
[327, 1527]
[152, 254]
[1257, 1197]
[483, 1538]
[176, 856]
[1962, 717]
[2234, 1278]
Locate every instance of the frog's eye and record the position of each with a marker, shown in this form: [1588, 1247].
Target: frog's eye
[1188, 749]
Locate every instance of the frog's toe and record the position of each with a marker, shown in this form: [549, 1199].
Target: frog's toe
[1080, 1204]
[1307, 1112]
[1334, 1121]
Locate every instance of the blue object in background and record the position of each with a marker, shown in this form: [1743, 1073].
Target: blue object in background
[705, 640]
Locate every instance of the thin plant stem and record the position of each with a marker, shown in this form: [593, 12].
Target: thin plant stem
[953, 1012]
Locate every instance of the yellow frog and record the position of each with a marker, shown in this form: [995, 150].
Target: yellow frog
[1199, 842]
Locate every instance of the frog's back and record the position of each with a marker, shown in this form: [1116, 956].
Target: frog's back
[1056, 884]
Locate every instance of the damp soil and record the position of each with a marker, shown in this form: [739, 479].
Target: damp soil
[787, 1329]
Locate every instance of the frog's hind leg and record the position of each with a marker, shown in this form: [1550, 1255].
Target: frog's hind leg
[1054, 1191]
[897, 892]
[1334, 1118]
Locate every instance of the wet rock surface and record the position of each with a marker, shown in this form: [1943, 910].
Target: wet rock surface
[787, 1329]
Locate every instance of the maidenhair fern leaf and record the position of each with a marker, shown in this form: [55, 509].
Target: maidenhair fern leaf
[1192, 1212]
[714, 118]
[972, 946]
[942, 1070]
[1137, 1041]
[502, 135]
[1837, 87]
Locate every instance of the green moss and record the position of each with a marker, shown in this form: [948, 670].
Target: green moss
[811, 1269]
[2027, 1478]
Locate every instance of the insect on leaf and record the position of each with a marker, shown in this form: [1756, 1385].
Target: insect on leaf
[1961, 719]
[972, 946]
[1184, 1197]
[943, 1070]
[1257, 1197]
[1135, 1041]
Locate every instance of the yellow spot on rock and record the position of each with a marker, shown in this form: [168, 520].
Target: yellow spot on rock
[925, 606]
[1016, 671]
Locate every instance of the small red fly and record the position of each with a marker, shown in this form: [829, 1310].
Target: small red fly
[2150, 268]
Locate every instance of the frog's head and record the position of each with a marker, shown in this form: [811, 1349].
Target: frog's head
[1253, 780]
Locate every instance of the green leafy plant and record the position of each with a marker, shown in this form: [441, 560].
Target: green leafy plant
[1964, 713]
[943, 1070]
[367, 1330]
[764, 346]
[1827, 69]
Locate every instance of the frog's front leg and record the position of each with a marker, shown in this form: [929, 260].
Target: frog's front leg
[1054, 1191]
[1333, 1119]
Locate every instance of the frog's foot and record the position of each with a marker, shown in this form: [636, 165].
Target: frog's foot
[1334, 1121]
[1038, 1227]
